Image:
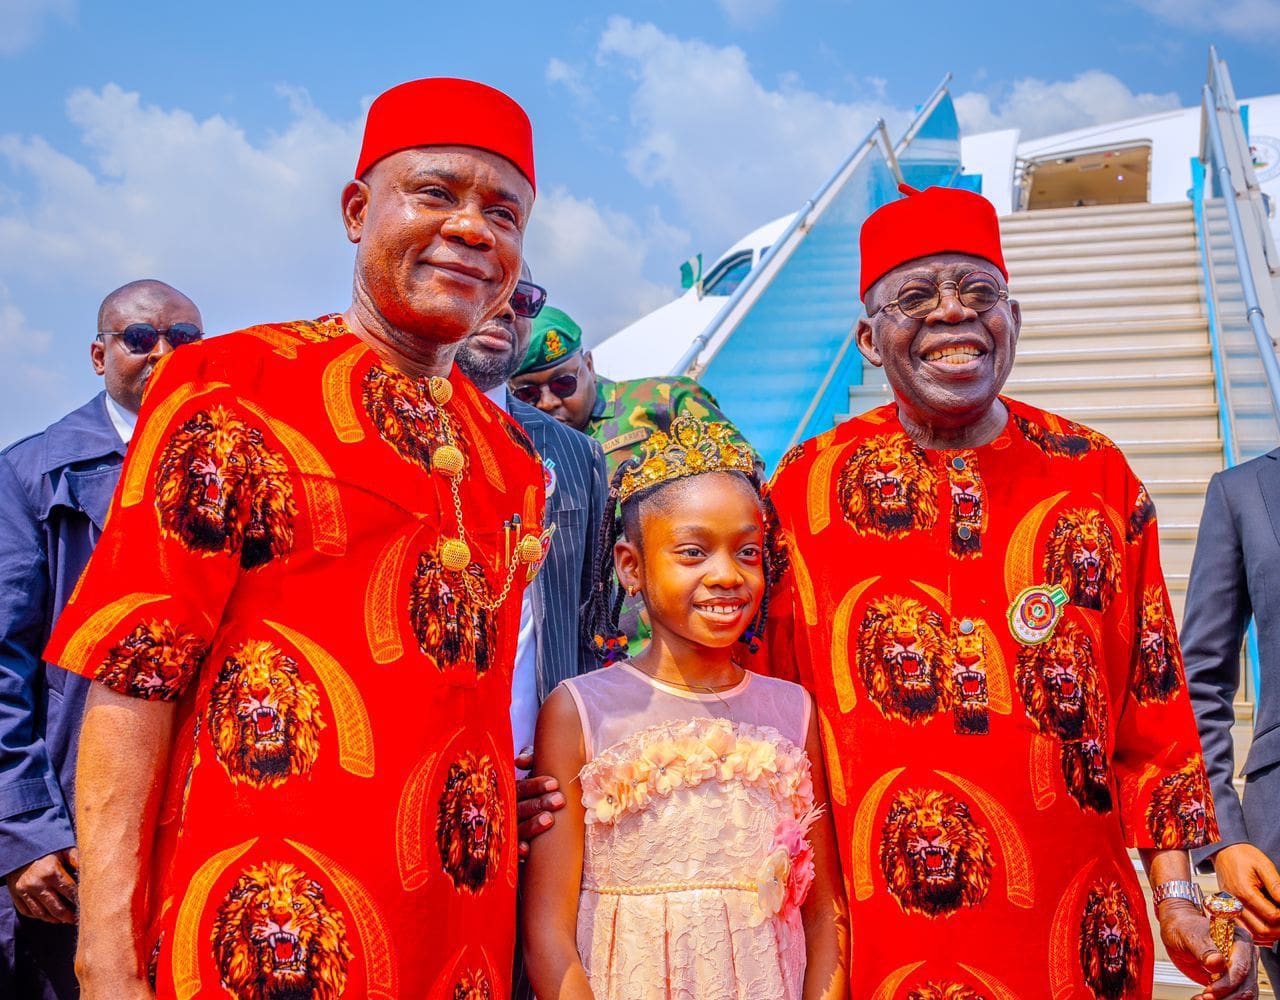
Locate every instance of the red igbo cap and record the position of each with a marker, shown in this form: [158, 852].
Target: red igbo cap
[446, 112]
[935, 220]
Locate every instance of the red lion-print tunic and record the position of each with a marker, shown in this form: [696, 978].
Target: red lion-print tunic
[339, 815]
[986, 788]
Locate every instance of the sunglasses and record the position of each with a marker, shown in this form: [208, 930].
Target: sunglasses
[528, 299]
[918, 297]
[141, 338]
[562, 387]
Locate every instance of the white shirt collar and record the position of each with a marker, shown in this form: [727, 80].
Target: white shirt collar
[121, 419]
[498, 396]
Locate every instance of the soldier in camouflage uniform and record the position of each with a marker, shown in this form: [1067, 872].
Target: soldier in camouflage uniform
[620, 415]
[558, 377]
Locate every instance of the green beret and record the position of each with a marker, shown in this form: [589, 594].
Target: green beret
[555, 336]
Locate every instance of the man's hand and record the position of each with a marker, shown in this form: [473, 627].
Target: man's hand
[45, 889]
[1185, 932]
[536, 801]
[1248, 874]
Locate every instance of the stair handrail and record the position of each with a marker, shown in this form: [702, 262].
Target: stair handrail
[1214, 101]
[784, 245]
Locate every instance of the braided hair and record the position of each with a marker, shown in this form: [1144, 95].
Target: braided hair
[603, 607]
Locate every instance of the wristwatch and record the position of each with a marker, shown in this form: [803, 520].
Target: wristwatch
[1178, 889]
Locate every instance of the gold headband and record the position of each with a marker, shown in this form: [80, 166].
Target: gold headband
[691, 447]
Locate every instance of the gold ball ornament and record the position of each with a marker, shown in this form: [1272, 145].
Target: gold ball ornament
[440, 389]
[529, 549]
[455, 555]
[448, 460]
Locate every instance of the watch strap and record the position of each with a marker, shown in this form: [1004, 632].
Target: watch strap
[1178, 889]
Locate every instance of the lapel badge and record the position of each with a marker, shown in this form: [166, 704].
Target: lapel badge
[544, 542]
[549, 476]
[1035, 612]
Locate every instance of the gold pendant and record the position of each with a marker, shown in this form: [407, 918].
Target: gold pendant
[448, 460]
[440, 390]
[455, 555]
[530, 548]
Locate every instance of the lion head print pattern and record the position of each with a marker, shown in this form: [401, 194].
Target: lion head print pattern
[1071, 441]
[1082, 556]
[1142, 514]
[470, 823]
[1086, 770]
[1062, 694]
[887, 487]
[969, 680]
[904, 660]
[1157, 676]
[220, 488]
[939, 990]
[450, 621]
[155, 661]
[278, 937]
[968, 504]
[473, 985]
[1181, 807]
[405, 416]
[264, 718]
[1110, 944]
[935, 856]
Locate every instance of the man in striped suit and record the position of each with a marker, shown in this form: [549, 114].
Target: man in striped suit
[550, 647]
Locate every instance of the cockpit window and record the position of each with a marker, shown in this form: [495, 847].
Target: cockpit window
[728, 275]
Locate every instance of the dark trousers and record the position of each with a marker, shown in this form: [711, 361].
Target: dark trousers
[37, 959]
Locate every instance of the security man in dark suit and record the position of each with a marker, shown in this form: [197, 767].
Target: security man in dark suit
[55, 488]
[1235, 576]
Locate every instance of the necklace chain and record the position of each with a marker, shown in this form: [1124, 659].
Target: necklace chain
[708, 689]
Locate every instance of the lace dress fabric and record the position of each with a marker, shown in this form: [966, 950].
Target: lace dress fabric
[695, 858]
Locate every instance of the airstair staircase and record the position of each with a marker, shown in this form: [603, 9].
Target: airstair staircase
[1115, 335]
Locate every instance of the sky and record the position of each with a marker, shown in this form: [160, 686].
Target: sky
[206, 145]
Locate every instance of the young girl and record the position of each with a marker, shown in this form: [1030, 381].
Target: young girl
[694, 859]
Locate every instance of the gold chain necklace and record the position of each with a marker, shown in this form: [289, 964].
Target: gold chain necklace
[706, 689]
[455, 553]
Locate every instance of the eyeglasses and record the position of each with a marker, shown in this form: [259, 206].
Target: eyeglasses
[528, 299]
[141, 338]
[562, 387]
[918, 297]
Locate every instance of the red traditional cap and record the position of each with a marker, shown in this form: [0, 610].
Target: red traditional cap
[935, 220]
[447, 112]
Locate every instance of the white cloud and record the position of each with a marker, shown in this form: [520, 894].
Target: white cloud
[1249, 20]
[746, 13]
[248, 227]
[22, 21]
[591, 260]
[1038, 107]
[733, 152]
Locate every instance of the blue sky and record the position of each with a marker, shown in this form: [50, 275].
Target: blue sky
[206, 144]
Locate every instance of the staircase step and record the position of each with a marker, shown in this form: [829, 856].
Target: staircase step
[1083, 311]
[1099, 215]
[1133, 249]
[1079, 297]
[1176, 229]
[1141, 279]
[1094, 264]
[1053, 393]
[1039, 332]
[1119, 360]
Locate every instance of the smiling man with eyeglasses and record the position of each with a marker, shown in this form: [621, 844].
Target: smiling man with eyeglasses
[55, 488]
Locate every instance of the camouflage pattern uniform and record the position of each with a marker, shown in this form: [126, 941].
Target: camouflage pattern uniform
[624, 416]
[626, 413]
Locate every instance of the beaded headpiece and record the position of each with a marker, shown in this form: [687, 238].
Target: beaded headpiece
[691, 447]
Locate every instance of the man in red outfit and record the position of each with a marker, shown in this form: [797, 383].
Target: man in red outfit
[969, 592]
[295, 775]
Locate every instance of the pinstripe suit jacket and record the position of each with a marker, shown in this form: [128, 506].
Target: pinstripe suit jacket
[576, 508]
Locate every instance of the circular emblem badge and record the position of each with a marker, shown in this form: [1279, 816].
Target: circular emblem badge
[549, 476]
[1034, 613]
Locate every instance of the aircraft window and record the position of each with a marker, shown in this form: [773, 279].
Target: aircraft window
[728, 276]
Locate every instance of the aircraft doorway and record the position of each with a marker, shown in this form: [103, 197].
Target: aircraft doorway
[1094, 177]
